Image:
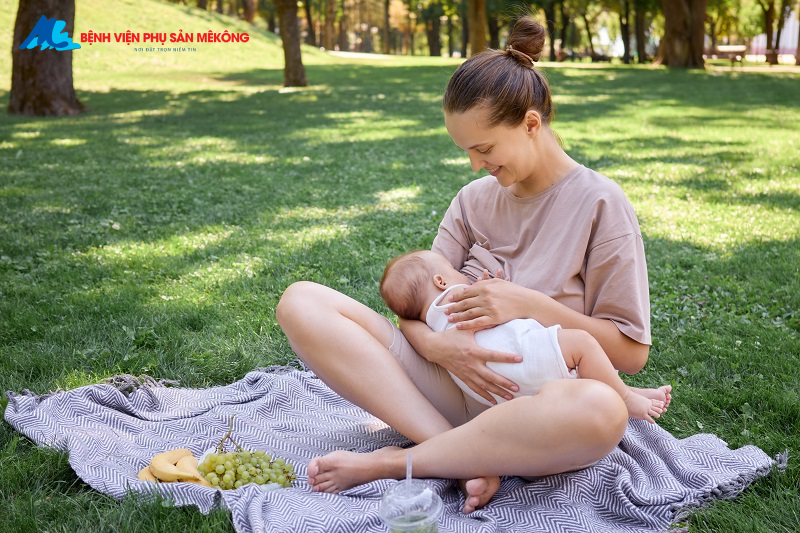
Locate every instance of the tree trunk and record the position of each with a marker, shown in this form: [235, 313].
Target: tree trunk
[550, 16]
[451, 49]
[202, 4]
[464, 29]
[220, 9]
[494, 32]
[641, 36]
[682, 44]
[250, 10]
[565, 22]
[769, 20]
[412, 22]
[588, 33]
[797, 52]
[784, 13]
[433, 28]
[477, 26]
[294, 73]
[330, 18]
[41, 80]
[344, 43]
[387, 27]
[625, 31]
[311, 35]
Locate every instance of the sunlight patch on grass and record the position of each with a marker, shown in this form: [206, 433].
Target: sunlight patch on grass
[68, 142]
[398, 200]
[175, 246]
[194, 286]
[26, 134]
[77, 378]
[460, 162]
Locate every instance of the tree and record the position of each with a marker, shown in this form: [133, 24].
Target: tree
[432, 13]
[41, 80]
[644, 15]
[387, 28]
[250, 10]
[267, 10]
[294, 73]
[330, 19]
[768, 9]
[477, 26]
[797, 52]
[311, 34]
[684, 32]
[784, 13]
[549, 8]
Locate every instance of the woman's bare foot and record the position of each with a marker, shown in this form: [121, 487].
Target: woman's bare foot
[663, 393]
[643, 408]
[478, 492]
[342, 470]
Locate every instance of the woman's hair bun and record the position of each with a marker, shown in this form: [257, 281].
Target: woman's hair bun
[527, 37]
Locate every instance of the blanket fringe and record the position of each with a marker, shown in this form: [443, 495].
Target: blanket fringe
[127, 383]
[782, 460]
[724, 491]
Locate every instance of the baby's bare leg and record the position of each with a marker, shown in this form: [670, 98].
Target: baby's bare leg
[581, 350]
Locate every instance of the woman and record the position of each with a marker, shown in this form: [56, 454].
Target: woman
[569, 242]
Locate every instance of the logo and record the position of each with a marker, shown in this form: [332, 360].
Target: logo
[47, 33]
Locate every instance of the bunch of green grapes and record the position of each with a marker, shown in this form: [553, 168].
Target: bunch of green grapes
[231, 470]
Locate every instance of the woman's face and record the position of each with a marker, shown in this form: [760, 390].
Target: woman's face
[503, 151]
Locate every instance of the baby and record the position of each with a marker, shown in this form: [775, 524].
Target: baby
[416, 285]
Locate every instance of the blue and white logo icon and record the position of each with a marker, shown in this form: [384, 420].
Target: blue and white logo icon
[48, 34]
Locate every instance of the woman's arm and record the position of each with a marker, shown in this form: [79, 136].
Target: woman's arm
[457, 351]
[496, 301]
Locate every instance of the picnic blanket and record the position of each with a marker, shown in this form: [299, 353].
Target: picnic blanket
[111, 431]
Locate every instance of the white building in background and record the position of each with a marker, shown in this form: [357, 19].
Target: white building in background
[788, 44]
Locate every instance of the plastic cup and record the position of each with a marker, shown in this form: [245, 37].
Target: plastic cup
[411, 506]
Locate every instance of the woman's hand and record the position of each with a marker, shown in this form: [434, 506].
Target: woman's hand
[489, 302]
[458, 352]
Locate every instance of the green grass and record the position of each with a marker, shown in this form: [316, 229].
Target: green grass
[155, 233]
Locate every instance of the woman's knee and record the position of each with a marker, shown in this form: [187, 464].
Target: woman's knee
[295, 298]
[597, 408]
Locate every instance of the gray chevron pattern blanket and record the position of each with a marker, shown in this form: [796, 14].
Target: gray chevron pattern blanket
[648, 483]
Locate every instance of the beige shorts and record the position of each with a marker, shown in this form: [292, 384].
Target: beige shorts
[434, 382]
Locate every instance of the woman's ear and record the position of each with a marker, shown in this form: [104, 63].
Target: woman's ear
[440, 282]
[533, 122]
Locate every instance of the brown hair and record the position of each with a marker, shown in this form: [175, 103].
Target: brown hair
[403, 283]
[505, 82]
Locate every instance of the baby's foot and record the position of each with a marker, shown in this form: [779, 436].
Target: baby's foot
[342, 470]
[643, 408]
[478, 492]
[662, 393]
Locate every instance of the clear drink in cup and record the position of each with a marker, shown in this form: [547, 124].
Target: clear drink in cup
[411, 506]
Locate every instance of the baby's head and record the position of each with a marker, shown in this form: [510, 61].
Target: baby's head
[412, 281]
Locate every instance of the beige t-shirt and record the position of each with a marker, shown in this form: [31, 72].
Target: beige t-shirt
[578, 242]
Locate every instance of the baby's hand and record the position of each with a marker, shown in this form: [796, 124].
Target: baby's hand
[498, 275]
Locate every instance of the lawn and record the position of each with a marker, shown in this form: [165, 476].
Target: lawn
[156, 232]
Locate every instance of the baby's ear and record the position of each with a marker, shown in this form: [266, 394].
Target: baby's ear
[439, 281]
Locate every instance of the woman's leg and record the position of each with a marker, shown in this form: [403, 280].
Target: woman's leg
[345, 343]
[580, 349]
[567, 425]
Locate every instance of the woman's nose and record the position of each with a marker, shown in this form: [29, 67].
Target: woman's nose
[476, 162]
